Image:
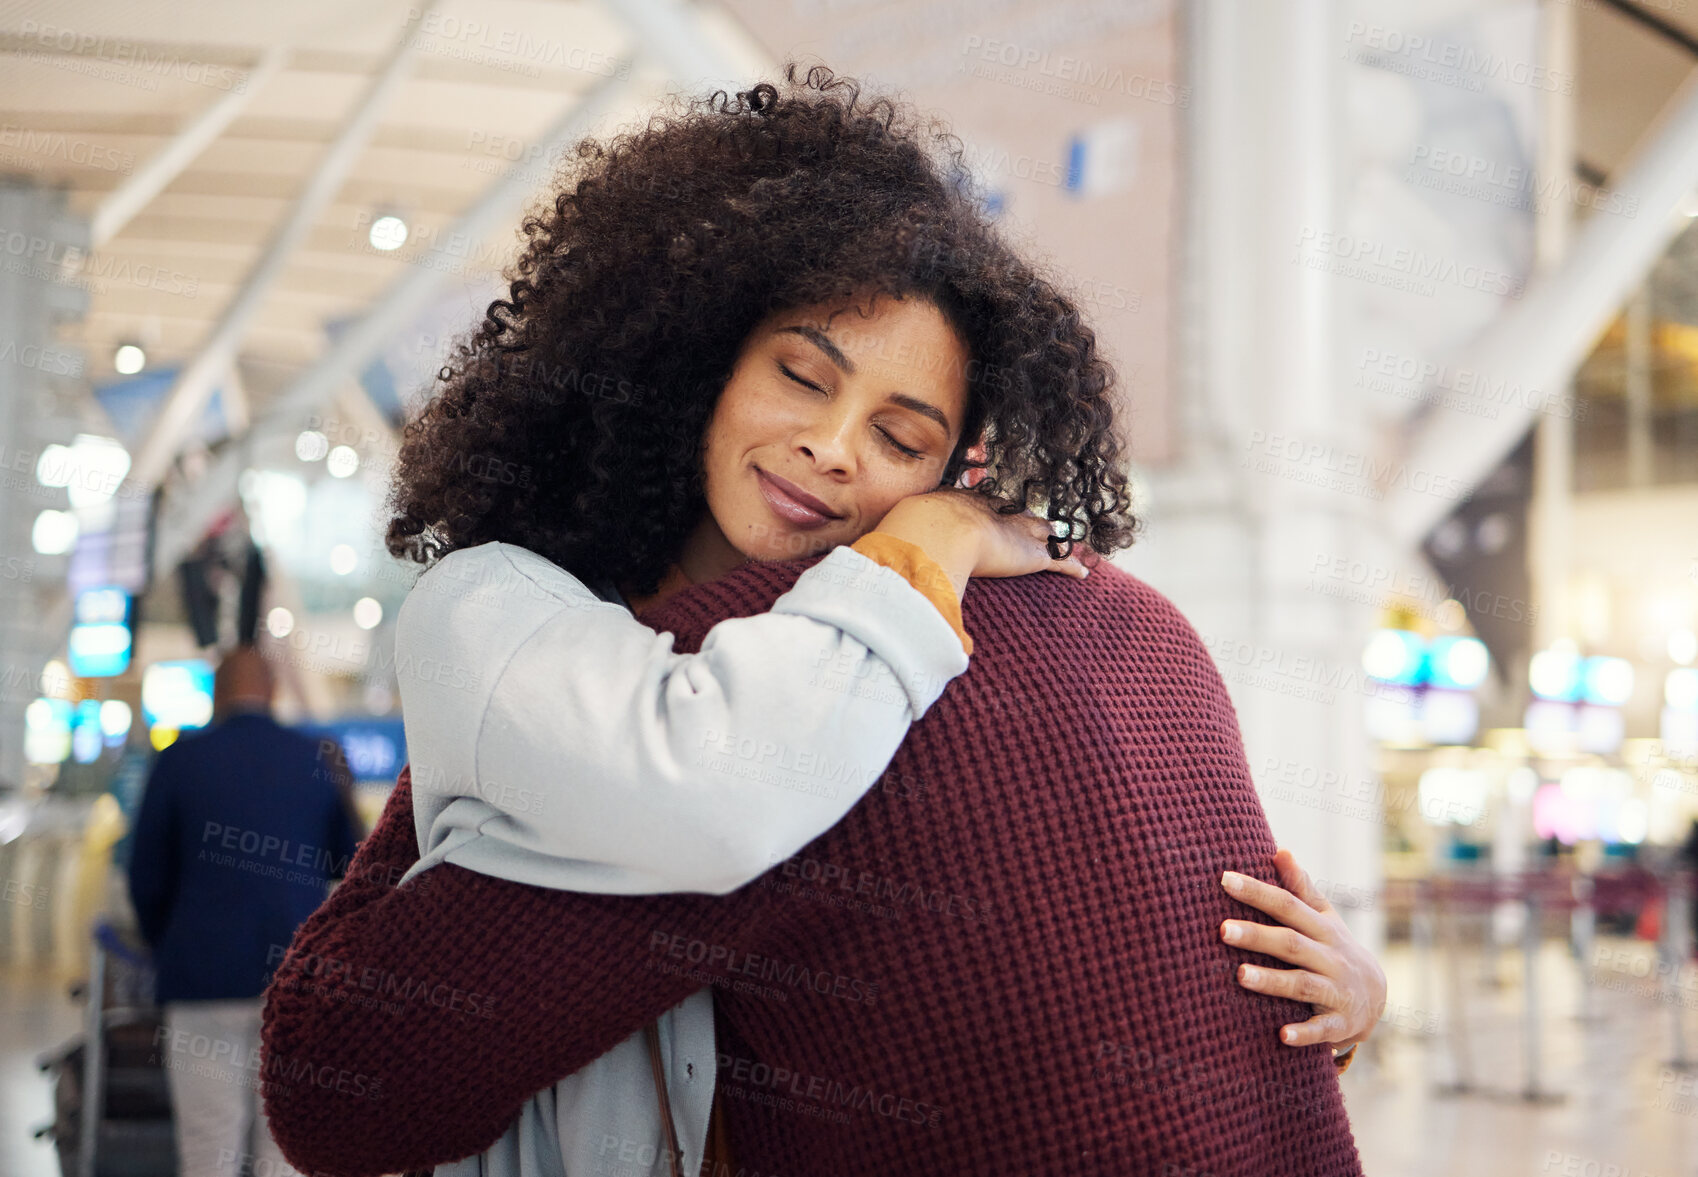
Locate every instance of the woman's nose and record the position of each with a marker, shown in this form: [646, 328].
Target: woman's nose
[828, 445]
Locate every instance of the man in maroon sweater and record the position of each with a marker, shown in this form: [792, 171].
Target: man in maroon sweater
[1005, 959]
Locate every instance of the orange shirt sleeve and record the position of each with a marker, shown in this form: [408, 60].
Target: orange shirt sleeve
[910, 561]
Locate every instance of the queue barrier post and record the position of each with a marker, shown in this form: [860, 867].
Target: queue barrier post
[1675, 951]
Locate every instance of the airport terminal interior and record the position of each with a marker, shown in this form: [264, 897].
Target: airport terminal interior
[1402, 298]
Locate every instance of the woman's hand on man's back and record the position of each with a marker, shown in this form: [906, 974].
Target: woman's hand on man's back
[1335, 974]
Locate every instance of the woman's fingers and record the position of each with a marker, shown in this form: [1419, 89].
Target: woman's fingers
[1327, 1027]
[1279, 903]
[1287, 944]
[1335, 973]
[1297, 984]
[1297, 881]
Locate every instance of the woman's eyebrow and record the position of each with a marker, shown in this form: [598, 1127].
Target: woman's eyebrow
[823, 341]
[924, 408]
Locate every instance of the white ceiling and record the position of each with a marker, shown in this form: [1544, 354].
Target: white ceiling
[92, 89]
[84, 78]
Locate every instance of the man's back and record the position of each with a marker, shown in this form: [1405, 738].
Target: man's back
[239, 830]
[1004, 960]
[1010, 950]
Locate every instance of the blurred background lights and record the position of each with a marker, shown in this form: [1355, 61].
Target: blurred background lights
[1632, 821]
[1555, 674]
[311, 445]
[1608, 681]
[343, 461]
[115, 718]
[53, 467]
[279, 623]
[54, 532]
[275, 504]
[90, 468]
[56, 680]
[388, 232]
[1523, 782]
[129, 359]
[99, 649]
[1459, 662]
[343, 559]
[367, 613]
[1680, 688]
[1393, 655]
[1451, 796]
[86, 737]
[177, 694]
[47, 731]
[1683, 647]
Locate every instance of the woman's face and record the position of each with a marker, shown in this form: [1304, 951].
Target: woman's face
[822, 429]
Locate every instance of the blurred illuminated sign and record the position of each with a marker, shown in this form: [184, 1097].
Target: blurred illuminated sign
[1606, 681]
[375, 748]
[1449, 717]
[1563, 676]
[1590, 802]
[47, 731]
[1404, 657]
[99, 643]
[177, 694]
[1555, 675]
[1396, 656]
[86, 736]
[1457, 663]
[1442, 672]
[1451, 796]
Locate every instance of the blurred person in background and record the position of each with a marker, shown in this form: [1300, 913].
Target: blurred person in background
[241, 829]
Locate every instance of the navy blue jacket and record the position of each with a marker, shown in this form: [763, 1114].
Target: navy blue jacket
[241, 828]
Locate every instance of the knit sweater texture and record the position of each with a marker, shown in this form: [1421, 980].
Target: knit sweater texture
[1005, 960]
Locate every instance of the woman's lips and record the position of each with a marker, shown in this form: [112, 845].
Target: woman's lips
[787, 506]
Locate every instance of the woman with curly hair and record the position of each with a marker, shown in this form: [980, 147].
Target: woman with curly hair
[761, 328]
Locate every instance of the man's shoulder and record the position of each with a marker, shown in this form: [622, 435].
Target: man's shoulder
[743, 592]
[1110, 594]
[1110, 597]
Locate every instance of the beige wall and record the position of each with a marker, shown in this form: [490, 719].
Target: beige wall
[1110, 66]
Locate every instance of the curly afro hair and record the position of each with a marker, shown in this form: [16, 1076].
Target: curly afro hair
[570, 421]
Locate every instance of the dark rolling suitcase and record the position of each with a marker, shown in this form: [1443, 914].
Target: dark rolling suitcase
[112, 1105]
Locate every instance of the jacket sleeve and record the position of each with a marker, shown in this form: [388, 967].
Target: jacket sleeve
[556, 740]
[153, 852]
[400, 1032]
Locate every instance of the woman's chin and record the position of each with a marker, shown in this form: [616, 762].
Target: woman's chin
[795, 546]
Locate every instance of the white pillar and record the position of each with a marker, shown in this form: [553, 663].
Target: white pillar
[1233, 547]
[1551, 512]
[35, 294]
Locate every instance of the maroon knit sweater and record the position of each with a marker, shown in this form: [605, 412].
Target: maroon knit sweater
[1005, 960]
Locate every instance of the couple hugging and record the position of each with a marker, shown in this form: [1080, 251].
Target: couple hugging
[785, 795]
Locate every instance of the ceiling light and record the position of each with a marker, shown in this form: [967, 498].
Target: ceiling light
[388, 232]
[129, 359]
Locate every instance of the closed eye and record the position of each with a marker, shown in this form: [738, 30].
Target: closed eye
[912, 453]
[782, 367]
[905, 451]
